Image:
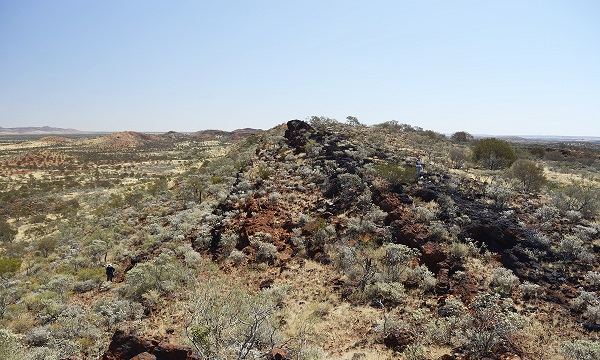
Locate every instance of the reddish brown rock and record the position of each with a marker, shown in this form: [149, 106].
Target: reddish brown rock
[442, 285]
[432, 255]
[129, 346]
[279, 354]
[398, 340]
[144, 356]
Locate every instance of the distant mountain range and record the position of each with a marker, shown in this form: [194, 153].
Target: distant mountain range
[240, 133]
[37, 130]
[136, 137]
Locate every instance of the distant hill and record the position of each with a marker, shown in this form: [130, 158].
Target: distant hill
[231, 135]
[199, 135]
[37, 130]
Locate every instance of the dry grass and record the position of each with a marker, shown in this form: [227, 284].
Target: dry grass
[336, 327]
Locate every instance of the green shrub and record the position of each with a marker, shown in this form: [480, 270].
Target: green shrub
[386, 292]
[10, 346]
[7, 233]
[493, 153]
[464, 250]
[395, 173]
[96, 274]
[579, 196]
[529, 174]
[163, 274]
[46, 245]
[461, 137]
[9, 265]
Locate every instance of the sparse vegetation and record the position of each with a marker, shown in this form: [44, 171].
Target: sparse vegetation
[236, 247]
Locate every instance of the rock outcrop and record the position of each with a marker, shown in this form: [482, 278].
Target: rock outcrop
[298, 133]
[127, 346]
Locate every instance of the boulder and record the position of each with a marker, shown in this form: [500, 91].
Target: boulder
[298, 133]
[442, 285]
[168, 351]
[432, 255]
[279, 354]
[398, 340]
[144, 356]
[127, 345]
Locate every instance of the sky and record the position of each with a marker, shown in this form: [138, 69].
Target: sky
[486, 67]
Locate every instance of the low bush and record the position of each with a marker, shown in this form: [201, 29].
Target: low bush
[583, 300]
[546, 213]
[592, 278]
[9, 266]
[499, 194]
[573, 248]
[395, 173]
[112, 312]
[503, 281]
[163, 274]
[391, 293]
[581, 350]
[228, 321]
[10, 346]
[530, 290]
[493, 322]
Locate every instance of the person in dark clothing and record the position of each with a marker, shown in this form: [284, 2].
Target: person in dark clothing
[110, 272]
[419, 168]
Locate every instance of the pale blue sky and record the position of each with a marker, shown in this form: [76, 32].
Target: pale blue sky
[494, 67]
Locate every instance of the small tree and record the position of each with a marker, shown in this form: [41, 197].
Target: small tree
[322, 122]
[461, 137]
[494, 154]
[459, 157]
[529, 174]
[7, 233]
[352, 120]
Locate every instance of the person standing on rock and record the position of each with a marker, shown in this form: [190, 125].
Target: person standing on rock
[110, 272]
[419, 169]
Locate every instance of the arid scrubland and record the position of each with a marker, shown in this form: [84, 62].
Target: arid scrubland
[313, 240]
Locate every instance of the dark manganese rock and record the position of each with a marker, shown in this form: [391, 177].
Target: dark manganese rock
[297, 133]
